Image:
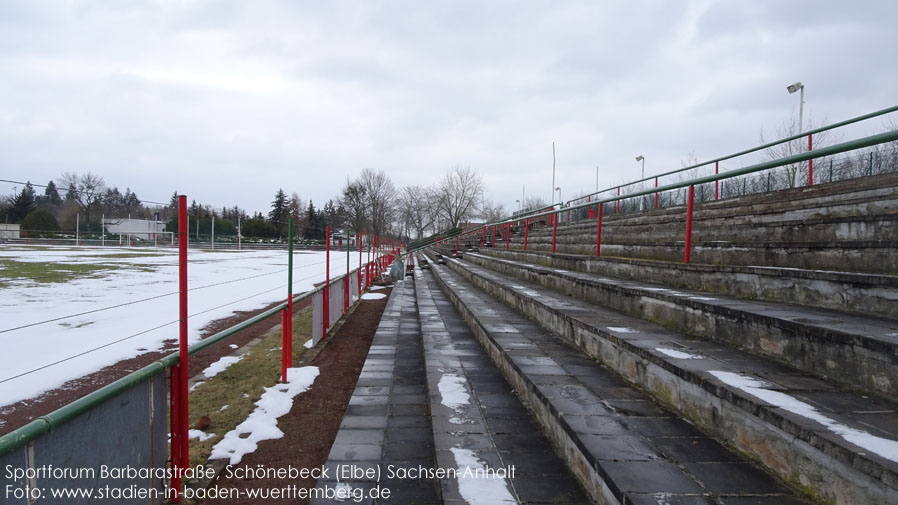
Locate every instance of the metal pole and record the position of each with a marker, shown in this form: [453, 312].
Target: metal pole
[656, 193]
[213, 232]
[359, 273]
[238, 232]
[599, 231]
[78, 230]
[182, 315]
[327, 279]
[687, 253]
[554, 231]
[346, 279]
[810, 163]
[597, 178]
[552, 195]
[716, 171]
[526, 231]
[103, 230]
[287, 330]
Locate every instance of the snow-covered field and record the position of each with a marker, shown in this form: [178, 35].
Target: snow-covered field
[128, 275]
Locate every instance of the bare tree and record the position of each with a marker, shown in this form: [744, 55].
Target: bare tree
[493, 212]
[85, 190]
[381, 194]
[458, 192]
[415, 210]
[355, 202]
[791, 173]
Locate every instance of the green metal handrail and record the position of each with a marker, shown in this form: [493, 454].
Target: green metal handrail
[49, 422]
[748, 151]
[880, 138]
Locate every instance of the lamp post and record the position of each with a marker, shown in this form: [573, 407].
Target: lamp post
[559, 193]
[642, 159]
[519, 205]
[792, 88]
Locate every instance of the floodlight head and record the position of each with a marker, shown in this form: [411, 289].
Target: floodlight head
[639, 158]
[794, 87]
[558, 188]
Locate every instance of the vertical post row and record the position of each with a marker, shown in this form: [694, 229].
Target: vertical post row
[327, 281]
[656, 193]
[507, 236]
[618, 202]
[359, 272]
[599, 231]
[686, 254]
[483, 241]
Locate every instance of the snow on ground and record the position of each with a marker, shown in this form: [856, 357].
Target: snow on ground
[201, 435]
[673, 353]
[477, 485]
[221, 365]
[262, 422]
[130, 275]
[882, 446]
[618, 329]
[373, 296]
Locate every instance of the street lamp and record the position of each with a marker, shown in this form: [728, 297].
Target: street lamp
[642, 159]
[559, 193]
[792, 88]
[519, 205]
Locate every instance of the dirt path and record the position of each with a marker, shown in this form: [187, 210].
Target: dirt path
[21, 413]
[311, 426]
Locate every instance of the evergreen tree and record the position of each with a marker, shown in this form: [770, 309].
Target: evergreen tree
[22, 204]
[51, 194]
[279, 210]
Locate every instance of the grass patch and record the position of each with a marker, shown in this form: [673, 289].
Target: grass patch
[241, 385]
[49, 272]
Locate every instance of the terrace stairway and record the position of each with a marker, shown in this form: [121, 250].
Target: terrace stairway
[731, 380]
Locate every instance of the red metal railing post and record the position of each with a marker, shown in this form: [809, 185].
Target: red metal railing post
[284, 324]
[599, 232]
[554, 231]
[687, 253]
[184, 452]
[359, 272]
[810, 163]
[174, 383]
[483, 242]
[656, 193]
[526, 231]
[716, 183]
[327, 280]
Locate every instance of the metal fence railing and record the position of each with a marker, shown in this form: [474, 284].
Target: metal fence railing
[124, 424]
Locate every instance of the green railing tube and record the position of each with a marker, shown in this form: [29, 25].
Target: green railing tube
[754, 149]
[48, 423]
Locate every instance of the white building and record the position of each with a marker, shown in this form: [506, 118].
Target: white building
[9, 231]
[141, 229]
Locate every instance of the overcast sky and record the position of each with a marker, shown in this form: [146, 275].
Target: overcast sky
[226, 101]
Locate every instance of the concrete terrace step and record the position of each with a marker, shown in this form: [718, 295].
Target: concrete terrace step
[385, 424]
[875, 257]
[478, 422]
[620, 443]
[832, 442]
[853, 350]
[854, 292]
